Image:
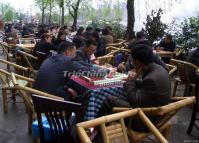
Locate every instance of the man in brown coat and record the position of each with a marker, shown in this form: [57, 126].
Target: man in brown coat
[148, 85]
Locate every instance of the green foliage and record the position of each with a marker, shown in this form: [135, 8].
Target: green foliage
[118, 28]
[154, 27]
[8, 12]
[187, 33]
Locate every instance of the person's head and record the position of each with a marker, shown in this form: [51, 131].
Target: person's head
[142, 56]
[65, 29]
[46, 37]
[61, 36]
[140, 35]
[109, 28]
[67, 48]
[168, 38]
[98, 30]
[90, 47]
[80, 31]
[79, 42]
[105, 31]
[95, 35]
[89, 29]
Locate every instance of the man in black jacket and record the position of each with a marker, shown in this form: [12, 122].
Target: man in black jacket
[151, 90]
[83, 55]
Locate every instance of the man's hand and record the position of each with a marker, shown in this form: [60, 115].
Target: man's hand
[121, 67]
[72, 93]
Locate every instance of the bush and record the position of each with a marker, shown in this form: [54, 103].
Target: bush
[186, 33]
[154, 27]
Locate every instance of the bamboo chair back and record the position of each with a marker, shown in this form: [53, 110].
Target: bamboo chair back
[26, 59]
[17, 68]
[172, 69]
[58, 114]
[164, 113]
[184, 70]
[118, 130]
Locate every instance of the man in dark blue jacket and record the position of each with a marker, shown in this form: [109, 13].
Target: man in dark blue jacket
[55, 72]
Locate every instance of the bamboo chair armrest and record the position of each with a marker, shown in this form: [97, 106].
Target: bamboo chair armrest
[120, 109]
[28, 55]
[13, 65]
[14, 78]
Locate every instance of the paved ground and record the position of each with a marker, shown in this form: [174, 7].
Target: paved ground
[13, 125]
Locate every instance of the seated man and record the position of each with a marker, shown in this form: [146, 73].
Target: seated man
[167, 45]
[153, 89]
[83, 55]
[42, 49]
[140, 39]
[55, 72]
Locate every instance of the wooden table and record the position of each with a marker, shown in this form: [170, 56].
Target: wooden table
[26, 46]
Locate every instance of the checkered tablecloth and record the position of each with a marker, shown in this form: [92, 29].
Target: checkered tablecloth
[97, 97]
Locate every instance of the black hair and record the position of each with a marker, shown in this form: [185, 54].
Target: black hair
[169, 36]
[98, 30]
[64, 46]
[80, 30]
[140, 35]
[105, 31]
[143, 53]
[60, 34]
[89, 28]
[78, 42]
[65, 27]
[90, 42]
[95, 35]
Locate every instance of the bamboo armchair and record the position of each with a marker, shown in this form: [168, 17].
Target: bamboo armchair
[8, 90]
[25, 93]
[26, 59]
[119, 44]
[184, 69]
[116, 132]
[105, 59]
[172, 69]
[7, 51]
[165, 113]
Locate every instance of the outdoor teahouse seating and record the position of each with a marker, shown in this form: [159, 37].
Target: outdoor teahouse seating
[8, 89]
[184, 69]
[165, 113]
[25, 93]
[113, 128]
[59, 116]
[171, 69]
[26, 59]
[194, 118]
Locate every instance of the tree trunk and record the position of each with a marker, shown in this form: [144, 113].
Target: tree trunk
[75, 9]
[42, 16]
[50, 14]
[62, 12]
[130, 34]
[74, 26]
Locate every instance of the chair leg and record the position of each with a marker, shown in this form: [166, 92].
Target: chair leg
[194, 113]
[30, 119]
[166, 131]
[14, 96]
[175, 88]
[193, 117]
[5, 100]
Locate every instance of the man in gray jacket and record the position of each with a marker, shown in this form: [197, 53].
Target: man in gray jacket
[148, 85]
